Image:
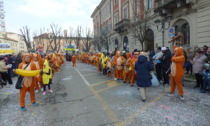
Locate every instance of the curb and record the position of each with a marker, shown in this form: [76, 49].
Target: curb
[191, 80]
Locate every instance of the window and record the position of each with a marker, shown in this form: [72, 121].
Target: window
[125, 11]
[115, 2]
[116, 19]
[149, 4]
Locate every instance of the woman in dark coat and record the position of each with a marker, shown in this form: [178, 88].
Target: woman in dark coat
[143, 68]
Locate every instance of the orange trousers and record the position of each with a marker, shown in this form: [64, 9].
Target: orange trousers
[74, 64]
[23, 94]
[119, 74]
[127, 76]
[177, 81]
[133, 78]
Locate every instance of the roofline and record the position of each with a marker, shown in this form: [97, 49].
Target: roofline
[98, 7]
[9, 39]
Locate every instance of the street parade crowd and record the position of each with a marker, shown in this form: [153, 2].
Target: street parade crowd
[135, 67]
[35, 72]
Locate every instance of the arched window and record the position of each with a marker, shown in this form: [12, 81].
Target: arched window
[183, 27]
[116, 43]
[125, 43]
[149, 40]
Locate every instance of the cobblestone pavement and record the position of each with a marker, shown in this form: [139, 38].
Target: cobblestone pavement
[83, 97]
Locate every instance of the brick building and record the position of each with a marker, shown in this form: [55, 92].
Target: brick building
[190, 17]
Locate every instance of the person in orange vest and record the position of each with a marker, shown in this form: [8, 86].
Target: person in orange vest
[74, 60]
[132, 68]
[114, 63]
[109, 67]
[119, 66]
[28, 82]
[98, 64]
[37, 60]
[127, 73]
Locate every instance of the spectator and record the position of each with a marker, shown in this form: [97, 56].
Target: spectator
[166, 63]
[157, 63]
[208, 52]
[190, 56]
[10, 61]
[143, 68]
[198, 62]
[151, 55]
[206, 74]
[18, 59]
[4, 71]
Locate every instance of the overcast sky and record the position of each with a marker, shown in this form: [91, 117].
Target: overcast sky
[41, 13]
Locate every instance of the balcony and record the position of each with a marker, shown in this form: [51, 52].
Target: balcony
[122, 26]
[165, 5]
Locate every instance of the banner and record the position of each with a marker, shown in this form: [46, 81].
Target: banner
[69, 49]
[5, 48]
[5, 45]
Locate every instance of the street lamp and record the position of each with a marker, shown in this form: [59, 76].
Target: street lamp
[162, 22]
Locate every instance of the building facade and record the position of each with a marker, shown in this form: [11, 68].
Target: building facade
[46, 43]
[15, 40]
[189, 17]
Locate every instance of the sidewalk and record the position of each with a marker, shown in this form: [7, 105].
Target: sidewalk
[5, 91]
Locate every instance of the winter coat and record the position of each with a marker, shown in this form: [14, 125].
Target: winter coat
[143, 68]
[3, 67]
[157, 56]
[166, 60]
[198, 62]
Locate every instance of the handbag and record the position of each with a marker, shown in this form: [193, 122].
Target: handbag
[19, 83]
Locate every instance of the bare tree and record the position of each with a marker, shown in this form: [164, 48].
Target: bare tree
[96, 43]
[25, 32]
[69, 36]
[78, 36]
[87, 40]
[140, 23]
[55, 37]
[104, 38]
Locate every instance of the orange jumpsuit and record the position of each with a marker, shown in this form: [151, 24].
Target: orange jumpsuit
[133, 72]
[28, 85]
[114, 64]
[39, 66]
[109, 67]
[74, 61]
[177, 70]
[119, 67]
[127, 73]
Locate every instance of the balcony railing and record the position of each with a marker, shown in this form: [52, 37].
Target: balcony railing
[162, 3]
[122, 25]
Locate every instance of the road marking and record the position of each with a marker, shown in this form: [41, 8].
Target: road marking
[111, 85]
[90, 74]
[96, 84]
[86, 82]
[141, 110]
[107, 109]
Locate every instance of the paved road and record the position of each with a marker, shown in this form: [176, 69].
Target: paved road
[83, 97]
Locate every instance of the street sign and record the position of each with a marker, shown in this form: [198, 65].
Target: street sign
[171, 32]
